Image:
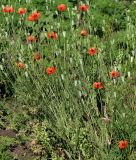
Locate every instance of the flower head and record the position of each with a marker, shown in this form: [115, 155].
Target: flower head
[21, 11]
[50, 70]
[7, 9]
[83, 33]
[33, 16]
[91, 51]
[61, 7]
[20, 64]
[37, 56]
[51, 35]
[83, 7]
[31, 38]
[114, 74]
[122, 144]
[97, 85]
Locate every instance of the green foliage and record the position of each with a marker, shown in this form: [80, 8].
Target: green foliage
[4, 143]
[59, 115]
[40, 134]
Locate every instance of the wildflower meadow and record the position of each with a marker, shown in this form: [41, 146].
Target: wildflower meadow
[67, 80]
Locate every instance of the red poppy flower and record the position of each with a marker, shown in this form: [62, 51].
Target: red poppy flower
[34, 16]
[61, 7]
[21, 11]
[114, 74]
[37, 57]
[83, 7]
[50, 70]
[20, 64]
[31, 38]
[83, 33]
[7, 9]
[122, 144]
[97, 85]
[91, 51]
[52, 35]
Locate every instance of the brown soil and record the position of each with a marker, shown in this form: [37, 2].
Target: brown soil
[7, 133]
[60, 153]
[21, 152]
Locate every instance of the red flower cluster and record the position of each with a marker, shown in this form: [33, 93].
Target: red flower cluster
[51, 35]
[9, 9]
[35, 15]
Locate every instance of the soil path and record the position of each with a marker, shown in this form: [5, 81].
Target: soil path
[21, 152]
